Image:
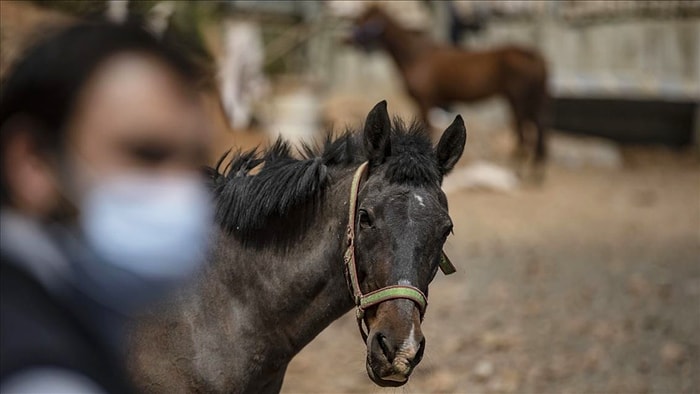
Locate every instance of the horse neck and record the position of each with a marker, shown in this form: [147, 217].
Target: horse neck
[402, 45]
[253, 308]
[287, 297]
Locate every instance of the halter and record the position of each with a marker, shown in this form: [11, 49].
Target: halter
[364, 301]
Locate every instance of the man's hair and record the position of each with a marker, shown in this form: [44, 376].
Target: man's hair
[43, 85]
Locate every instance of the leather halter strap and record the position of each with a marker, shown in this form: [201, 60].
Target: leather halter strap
[364, 301]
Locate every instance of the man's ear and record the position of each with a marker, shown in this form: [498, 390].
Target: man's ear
[451, 145]
[377, 134]
[31, 185]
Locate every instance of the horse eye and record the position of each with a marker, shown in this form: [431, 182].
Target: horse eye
[365, 220]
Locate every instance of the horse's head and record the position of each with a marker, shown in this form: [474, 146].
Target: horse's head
[369, 28]
[374, 28]
[401, 224]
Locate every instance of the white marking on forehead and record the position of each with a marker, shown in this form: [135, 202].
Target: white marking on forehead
[419, 198]
[404, 282]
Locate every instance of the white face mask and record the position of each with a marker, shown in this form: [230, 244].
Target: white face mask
[153, 230]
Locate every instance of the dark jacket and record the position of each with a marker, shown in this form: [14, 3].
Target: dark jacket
[42, 329]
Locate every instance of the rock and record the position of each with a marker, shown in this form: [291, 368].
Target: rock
[692, 287]
[534, 374]
[507, 382]
[532, 309]
[454, 344]
[603, 330]
[573, 152]
[443, 381]
[578, 325]
[638, 286]
[644, 198]
[481, 175]
[494, 341]
[483, 370]
[593, 358]
[559, 368]
[644, 367]
[500, 290]
[533, 267]
[665, 291]
[672, 353]
[651, 322]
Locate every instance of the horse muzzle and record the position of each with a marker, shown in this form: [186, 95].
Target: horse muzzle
[395, 343]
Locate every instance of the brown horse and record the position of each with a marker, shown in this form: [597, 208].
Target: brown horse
[437, 75]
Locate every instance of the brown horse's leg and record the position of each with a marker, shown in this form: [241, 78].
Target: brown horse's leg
[538, 110]
[538, 165]
[518, 120]
[541, 143]
[527, 112]
[521, 149]
[541, 146]
[424, 106]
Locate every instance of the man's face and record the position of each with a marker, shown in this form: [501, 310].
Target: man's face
[133, 116]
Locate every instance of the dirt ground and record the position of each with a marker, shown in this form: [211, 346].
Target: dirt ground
[588, 284]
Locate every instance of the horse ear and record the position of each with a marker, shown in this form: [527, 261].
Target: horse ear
[377, 133]
[451, 145]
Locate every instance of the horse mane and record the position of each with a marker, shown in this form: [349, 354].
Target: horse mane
[257, 186]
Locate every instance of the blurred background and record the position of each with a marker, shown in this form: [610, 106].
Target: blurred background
[588, 282]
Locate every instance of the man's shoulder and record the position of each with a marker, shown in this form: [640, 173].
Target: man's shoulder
[25, 302]
[34, 326]
[38, 330]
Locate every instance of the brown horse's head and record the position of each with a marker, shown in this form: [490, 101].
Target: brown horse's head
[375, 28]
[402, 223]
[369, 28]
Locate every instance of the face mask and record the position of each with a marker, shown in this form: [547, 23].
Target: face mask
[149, 233]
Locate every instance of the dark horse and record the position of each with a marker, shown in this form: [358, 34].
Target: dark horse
[279, 272]
[437, 75]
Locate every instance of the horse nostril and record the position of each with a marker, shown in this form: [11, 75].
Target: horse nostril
[381, 339]
[419, 354]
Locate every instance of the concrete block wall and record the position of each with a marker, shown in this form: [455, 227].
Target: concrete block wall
[627, 59]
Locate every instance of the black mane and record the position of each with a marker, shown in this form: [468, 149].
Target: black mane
[248, 201]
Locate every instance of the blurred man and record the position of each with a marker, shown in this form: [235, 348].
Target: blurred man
[103, 209]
